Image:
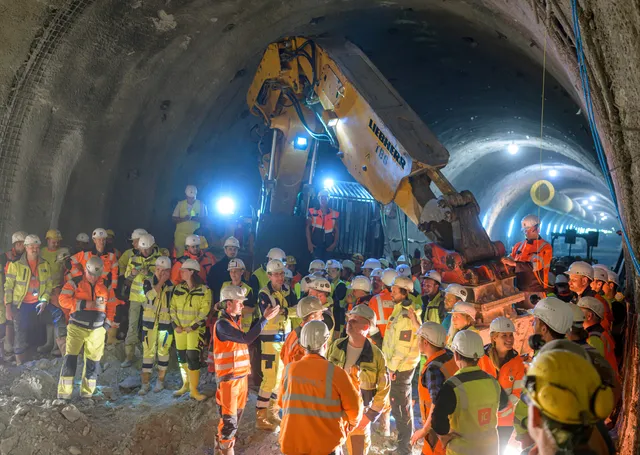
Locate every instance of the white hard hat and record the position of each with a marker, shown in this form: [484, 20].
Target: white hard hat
[434, 275]
[402, 260]
[20, 236]
[371, 264]
[560, 279]
[434, 333]
[404, 270]
[600, 266]
[468, 344]
[320, 284]
[600, 274]
[555, 313]
[465, 308]
[384, 262]
[376, 273]
[190, 264]
[235, 263]
[388, 275]
[613, 277]
[316, 264]
[99, 233]
[458, 290]
[191, 191]
[32, 239]
[580, 268]
[362, 283]
[277, 253]
[365, 312]
[63, 253]
[233, 293]
[192, 240]
[146, 241]
[502, 325]
[314, 335]
[232, 241]
[288, 274]
[163, 262]
[349, 264]
[275, 266]
[95, 266]
[593, 304]
[404, 283]
[137, 233]
[578, 315]
[308, 305]
[529, 221]
[333, 264]
[82, 237]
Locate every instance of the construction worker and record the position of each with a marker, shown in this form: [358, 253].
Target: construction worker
[599, 338]
[366, 366]
[384, 263]
[531, 258]
[438, 367]
[308, 309]
[110, 263]
[50, 254]
[272, 338]
[619, 308]
[567, 400]
[453, 294]
[561, 288]
[317, 266]
[123, 261]
[348, 271]
[219, 272]
[433, 308]
[600, 277]
[358, 261]
[317, 396]
[360, 293]
[156, 324]
[92, 304]
[231, 360]
[187, 215]
[27, 289]
[111, 237]
[82, 243]
[382, 305]
[463, 317]
[292, 264]
[369, 265]
[189, 308]
[376, 281]
[580, 277]
[322, 230]
[17, 250]
[338, 292]
[465, 410]
[260, 278]
[505, 364]
[236, 270]
[400, 348]
[193, 251]
[405, 270]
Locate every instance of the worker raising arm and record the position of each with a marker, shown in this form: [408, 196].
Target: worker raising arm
[187, 215]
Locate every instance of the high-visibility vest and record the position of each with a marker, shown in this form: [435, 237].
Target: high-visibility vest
[231, 359]
[123, 260]
[190, 307]
[539, 253]
[141, 263]
[261, 275]
[382, 305]
[248, 318]
[110, 269]
[279, 327]
[155, 309]
[188, 227]
[18, 281]
[291, 350]
[608, 345]
[74, 295]
[56, 268]
[475, 416]
[435, 311]
[511, 379]
[400, 344]
[323, 221]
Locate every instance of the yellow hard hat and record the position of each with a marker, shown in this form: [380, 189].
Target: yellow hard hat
[110, 233]
[53, 234]
[291, 260]
[567, 389]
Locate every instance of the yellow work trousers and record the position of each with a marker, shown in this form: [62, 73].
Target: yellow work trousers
[359, 441]
[93, 342]
[156, 343]
[272, 368]
[188, 346]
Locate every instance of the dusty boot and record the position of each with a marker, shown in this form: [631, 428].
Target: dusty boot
[185, 381]
[145, 384]
[274, 412]
[194, 380]
[112, 336]
[160, 381]
[8, 339]
[263, 422]
[48, 346]
[129, 352]
[62, 345]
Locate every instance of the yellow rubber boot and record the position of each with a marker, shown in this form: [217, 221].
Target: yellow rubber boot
[263, 422]
[194, 380]
[185, 381]
[274, 412]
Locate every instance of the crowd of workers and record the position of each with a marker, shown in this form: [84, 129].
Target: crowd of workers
[334, 351]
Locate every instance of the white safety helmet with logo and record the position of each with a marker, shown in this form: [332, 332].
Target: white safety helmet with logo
[404, 270]
[63, 253]
[236, 263]
[190, 264]
[458, 290]
[580, 268]
[364, 312]
[276, 253]
[434, 333]
[555, 313]
[600, 274]
[191, 240]
[137, 233]
[376, 273]
[163, 262]
[320, 284]
[528, 222]
[191, 191]
[288, 274]
[593, 304]
[403, 283]
[316, 265]
[333, 264]
[275, 266]
[349, 264]
[388, 275]
[95, 266]
[600, 266]
[434, 275]
[502, 325]
[233, 293]
[613, 277]
[99, 233]
[21, 235]
[82, 237]
[146, 241]
[465, 308]
[232, 242]
[361, 283]
[314, 335]
[402, 260]
[468, 344]
[308, 305]
[32, 239]
[371, 264]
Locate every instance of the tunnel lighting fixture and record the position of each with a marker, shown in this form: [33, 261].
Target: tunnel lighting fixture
[553, 173]
[511, 227]
[301, 143]
[328, 184]
[603, 214]
[590, 207]
[226, 206]
[513, 148]
[592, 198]
[333, 122]
[604, 217]
[330, 118]
[548, 229]
[561, 229]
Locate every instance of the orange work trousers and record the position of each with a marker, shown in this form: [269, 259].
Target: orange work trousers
[432, 444]
[231, 397]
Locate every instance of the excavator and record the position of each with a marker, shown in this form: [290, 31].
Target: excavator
[312, 90]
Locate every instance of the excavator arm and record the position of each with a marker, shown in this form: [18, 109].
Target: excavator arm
[329, 90]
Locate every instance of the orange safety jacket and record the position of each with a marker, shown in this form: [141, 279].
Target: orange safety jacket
[110, 270]
[74, 297]
[231, 359]
[205, 259]
[323, 221]
[511, 379]
[382, 305]
[599, 331]
[443, 361]
[291, 350]
[317, 395]
[607, 319]
[539, 254]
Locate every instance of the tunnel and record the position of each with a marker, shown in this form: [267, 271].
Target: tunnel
[111, 107]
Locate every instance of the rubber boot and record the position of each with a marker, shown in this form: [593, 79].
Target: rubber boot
[146, 387]
[160, 381]
[185, 381]
[129, 352]
[194, 380]
[62, 345]
[274, 412]
[262, 420]
[48, 346]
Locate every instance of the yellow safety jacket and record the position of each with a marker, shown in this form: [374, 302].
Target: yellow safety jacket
[248, 318]
[474, 419]
[190, 308]
[400, 344]
[435, 311]
[56, 268]
[146, 266]
[123, 261]
[261, 275]
[155, 310]
[188, 227]
[16, 283]
[277, 329]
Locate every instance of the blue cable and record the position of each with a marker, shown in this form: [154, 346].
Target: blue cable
[586, 90]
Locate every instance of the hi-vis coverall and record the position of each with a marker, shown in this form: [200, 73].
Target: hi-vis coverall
[272, 339]
[533, 260]
[186, 228]
[319, 406]
[86, 329]
[190, 308]
[382, 305]
[156, 325]
[110, 273]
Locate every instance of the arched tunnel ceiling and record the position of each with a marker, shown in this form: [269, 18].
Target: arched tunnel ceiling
[122, 103]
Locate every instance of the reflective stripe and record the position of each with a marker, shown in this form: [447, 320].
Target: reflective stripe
[506, 413]
[514, 399]
[238, 364]
[78, 304]
[381, 318]
[518, 384]
[67, 292]
[11, 276]
[313, 413]
[311, 399]
[226, 355]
